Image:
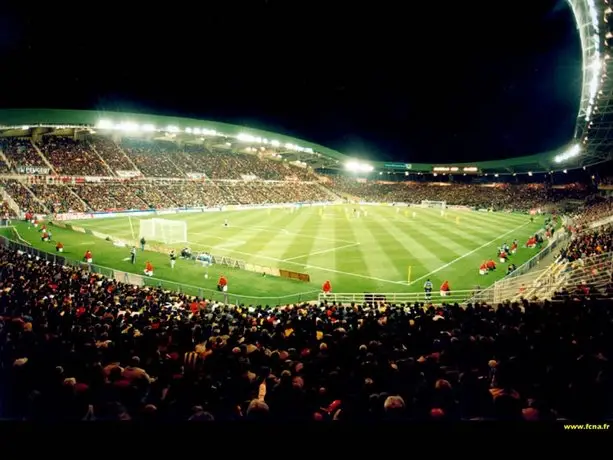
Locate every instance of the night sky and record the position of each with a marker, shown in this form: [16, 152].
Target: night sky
[448, 81]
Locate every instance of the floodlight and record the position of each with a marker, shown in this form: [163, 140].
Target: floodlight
[245, 138]
[572, 152]
[128, 126]
[355, 166]
[104, 124]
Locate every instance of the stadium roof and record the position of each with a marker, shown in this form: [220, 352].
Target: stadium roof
[290, 148]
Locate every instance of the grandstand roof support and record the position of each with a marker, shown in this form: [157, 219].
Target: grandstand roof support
[594, 129]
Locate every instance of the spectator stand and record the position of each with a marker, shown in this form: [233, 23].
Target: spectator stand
[11, 203]
[24, 198]
[586, 263]
[583, 277]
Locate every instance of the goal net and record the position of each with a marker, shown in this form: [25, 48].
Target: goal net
[163, 230]
[434, 204]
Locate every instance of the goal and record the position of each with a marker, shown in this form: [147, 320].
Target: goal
[163, 230]
[434, 204]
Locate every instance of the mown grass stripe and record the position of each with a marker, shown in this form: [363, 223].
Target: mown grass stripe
[400, 253]
[354, 260]
[304, 223]
[439, 241]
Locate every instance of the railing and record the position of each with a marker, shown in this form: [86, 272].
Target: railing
[140, 280]
[545, 284]
[398, 297]
[595, 271]
[514, 287]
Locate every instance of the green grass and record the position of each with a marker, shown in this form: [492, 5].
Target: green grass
[369, 254]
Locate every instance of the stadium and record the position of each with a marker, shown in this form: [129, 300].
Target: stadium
[155, 216]
[255, 203]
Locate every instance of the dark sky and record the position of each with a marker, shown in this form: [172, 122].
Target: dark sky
[448, 81]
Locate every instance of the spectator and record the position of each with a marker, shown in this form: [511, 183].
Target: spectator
[393, 362]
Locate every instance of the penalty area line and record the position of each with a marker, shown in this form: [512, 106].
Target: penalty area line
[313, 267]
[442, 267]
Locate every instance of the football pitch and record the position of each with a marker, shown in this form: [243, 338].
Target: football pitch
[385, 251]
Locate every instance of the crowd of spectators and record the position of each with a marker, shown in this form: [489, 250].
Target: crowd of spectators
[111, 153]
[588, 243]
[595, 210]
[217, 162]
[142, 194]
[233, 178]
[6, 212]
[497, 196]
[586, 265]
[277, 192]
[168, 193]
[102, 156]
[23, 197]
[150, 158]
[195, 194]
[78, 346]
[20, 152]
[71, 157]
[58, 198]
[145, 194]
[108, 196]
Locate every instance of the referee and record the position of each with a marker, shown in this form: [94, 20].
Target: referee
[428, 289]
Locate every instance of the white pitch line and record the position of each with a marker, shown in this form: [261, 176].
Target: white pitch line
[427, 275]
[323, 251]
[323, 269]
[257, 256]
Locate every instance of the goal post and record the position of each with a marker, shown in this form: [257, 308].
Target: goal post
[434, 204]
[146, 229]
[165, 231]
